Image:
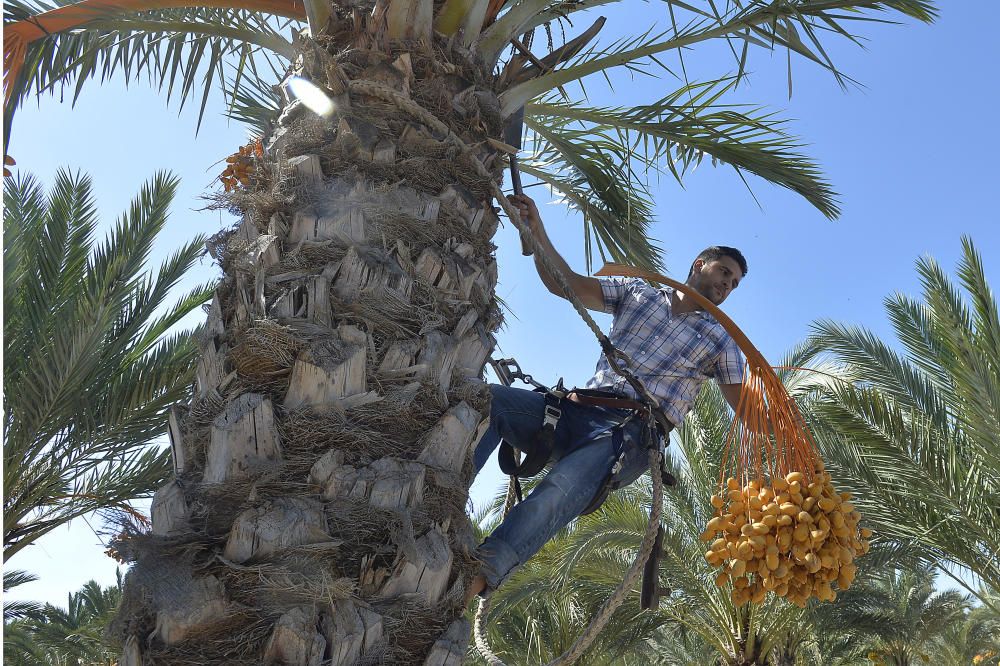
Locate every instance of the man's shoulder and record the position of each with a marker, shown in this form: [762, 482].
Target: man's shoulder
[638, 288]
[620, 281]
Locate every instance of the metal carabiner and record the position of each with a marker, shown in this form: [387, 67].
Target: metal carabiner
[507, 370]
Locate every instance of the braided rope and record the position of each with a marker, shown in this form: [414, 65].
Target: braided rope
[615, 360]
[631, 577]
[479, 633]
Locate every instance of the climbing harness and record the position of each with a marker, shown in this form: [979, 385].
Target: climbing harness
[508, 370]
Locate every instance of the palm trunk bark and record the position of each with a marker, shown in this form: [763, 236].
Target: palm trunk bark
[323, 465]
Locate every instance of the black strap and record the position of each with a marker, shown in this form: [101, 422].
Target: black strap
[541, 451]
[651, 434]
[649, 596]
[531, 464]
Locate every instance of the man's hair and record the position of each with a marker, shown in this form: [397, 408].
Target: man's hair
[718, 252]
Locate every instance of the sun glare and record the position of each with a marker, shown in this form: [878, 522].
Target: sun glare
[315, 99]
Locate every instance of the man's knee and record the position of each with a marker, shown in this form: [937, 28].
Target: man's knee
[511, 409]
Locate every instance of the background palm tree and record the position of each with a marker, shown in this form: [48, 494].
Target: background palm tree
[90, 369]
[339, 388]
[978, 633]
[914, 433]
[897, 614]
[74, 636]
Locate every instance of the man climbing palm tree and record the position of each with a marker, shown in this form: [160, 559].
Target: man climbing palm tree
[597, 436]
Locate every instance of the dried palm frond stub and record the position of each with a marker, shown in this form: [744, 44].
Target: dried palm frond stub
[779, 523]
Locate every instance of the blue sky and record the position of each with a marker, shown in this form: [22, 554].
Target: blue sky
[912, 154]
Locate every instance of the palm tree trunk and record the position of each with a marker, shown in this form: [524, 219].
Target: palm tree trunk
[749, 646]
[318, 512]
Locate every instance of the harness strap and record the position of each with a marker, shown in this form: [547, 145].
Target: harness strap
[541, 451]
[649, 441]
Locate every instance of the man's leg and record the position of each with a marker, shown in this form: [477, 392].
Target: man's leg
[560, 497]
[516, 416]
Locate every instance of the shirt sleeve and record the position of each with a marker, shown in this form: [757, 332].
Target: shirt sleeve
[728, 368]
[614, 290]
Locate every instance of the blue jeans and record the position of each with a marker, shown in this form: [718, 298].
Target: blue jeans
[584, 452]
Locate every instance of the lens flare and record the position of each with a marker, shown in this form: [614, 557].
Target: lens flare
[314, 99]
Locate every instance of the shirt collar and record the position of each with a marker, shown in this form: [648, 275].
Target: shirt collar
[668, 293]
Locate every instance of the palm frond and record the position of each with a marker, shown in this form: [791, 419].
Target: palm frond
[677, 132]
[759, 23]
[592, 173]
[914, 436]
[255, 102]
[185, 52]
[18, 610]
[95, 370]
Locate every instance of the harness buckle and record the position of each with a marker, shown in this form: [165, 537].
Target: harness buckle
[552, 416]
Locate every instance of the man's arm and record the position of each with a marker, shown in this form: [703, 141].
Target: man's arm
[732, 394]
[587, 289]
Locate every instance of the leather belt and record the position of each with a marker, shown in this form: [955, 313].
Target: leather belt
[613, 403]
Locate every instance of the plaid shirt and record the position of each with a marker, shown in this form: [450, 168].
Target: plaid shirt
[673, 355]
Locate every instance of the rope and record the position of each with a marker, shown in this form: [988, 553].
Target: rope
[610, 605]
[615, 360]
[479, 633]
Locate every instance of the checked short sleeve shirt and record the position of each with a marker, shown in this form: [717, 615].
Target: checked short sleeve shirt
[673, 354]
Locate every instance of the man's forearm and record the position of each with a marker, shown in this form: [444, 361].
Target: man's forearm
[587, 289]
[556, 260]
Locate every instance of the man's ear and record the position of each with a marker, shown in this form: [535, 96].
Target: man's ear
[697, 265]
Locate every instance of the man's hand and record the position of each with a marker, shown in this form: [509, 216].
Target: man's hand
[526, 207]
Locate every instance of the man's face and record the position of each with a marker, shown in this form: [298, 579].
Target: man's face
[716, 279]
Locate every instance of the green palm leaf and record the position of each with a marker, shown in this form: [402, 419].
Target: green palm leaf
[764, 24]
[90, 370]
[677, 132]
[914, 433]
[185, 52]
